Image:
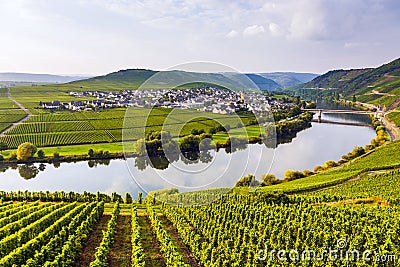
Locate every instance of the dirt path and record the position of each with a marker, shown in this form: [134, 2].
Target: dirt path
[152, 255]
[375, 92]
[183, 249]
[87, 254]
[355, 178]
[29, 114]
[121, 250]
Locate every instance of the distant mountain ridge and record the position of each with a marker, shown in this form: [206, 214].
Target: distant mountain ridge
[166, 79]
[286, 79]
[39, 78]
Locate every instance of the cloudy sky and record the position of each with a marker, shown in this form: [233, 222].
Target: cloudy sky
[101, 36]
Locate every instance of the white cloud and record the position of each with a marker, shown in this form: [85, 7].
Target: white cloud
[275, 29]
[160, 33]
[232, 34]
[253, 30]
[361, 44]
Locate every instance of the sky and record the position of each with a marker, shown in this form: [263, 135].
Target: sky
[101, 36]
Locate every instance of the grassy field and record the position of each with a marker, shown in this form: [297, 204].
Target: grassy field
[250, 131]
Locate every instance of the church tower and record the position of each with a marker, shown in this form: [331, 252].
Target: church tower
[242, 96]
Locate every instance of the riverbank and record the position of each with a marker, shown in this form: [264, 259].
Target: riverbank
[285, 130]
[390, 126]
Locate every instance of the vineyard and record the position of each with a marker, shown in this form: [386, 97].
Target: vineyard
[381, 158]
[237, 229]
[8, 117]
[69, 128]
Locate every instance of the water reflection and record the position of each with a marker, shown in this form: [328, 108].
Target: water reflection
[208, 169]
[188, 158]
[94, 163]
[28, 171]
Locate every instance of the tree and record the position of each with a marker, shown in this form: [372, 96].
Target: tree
[26, 151]
[91, 153]
[3, 146]
[357, 151]
[329, 164]
[128, 198]
[190, 143]
[40, 154]
[269, 179]
[212, 130]
[307, 173]
[197, 132]
[249, 180]
[291, 175]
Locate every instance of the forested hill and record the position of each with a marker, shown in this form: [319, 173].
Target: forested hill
[379, 85]
[149, 79]
[134, 78]
[334, 79]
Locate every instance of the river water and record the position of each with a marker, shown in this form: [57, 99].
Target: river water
[311, 147]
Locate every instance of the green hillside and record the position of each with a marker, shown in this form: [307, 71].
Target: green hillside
[135, 78]
[379, 86]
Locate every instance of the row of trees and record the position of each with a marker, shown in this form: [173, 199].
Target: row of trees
[270, 179]
[161, 143]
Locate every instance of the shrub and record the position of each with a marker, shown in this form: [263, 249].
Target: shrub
[291, 175]
[329, 164]
[319, 169]
[269, 179]
[26, 151]
[40, 154]
[91, 153]
[307, 173]
[249, 180]
[13, 156]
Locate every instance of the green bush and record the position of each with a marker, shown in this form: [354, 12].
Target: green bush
[40, 154]
[26, 151]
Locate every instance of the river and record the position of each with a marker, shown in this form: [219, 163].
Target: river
[311, 147]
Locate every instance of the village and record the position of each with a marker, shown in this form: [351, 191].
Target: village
[210, 99]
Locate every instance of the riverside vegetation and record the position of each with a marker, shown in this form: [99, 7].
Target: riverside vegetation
[348, 207]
